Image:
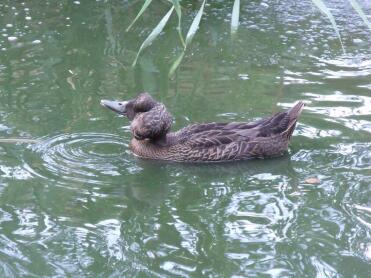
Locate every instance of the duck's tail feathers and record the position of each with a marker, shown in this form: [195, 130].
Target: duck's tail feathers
[293, 114]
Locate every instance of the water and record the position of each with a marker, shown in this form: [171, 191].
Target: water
[76, 202]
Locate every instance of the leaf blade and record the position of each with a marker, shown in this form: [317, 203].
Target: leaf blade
[153, 35]
[144, 7]
[323, 8]
[176, 64]
[235, 18]
[190, 34]
[360, 12]
[179, 13]
[195, 24]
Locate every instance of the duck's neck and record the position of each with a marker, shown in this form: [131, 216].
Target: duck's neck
[148, 148]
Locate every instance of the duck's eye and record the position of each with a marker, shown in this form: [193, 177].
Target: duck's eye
[120, 103]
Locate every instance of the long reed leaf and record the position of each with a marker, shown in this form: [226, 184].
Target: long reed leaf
[195, 24]
[154, 34]
[176, 63]
[322, 7]
[360, 12]
[191, 33]
[235, 16]
[179, 13]
[144, 7]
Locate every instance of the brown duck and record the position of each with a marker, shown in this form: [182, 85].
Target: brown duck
[152, 138]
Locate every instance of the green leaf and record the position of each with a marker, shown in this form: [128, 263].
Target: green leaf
[195, 24]
[235, 16]
[154, 34]
[322, 7]
[191, 33]
[359, 10]
[144, 7]
[176, 63]
[179, 13]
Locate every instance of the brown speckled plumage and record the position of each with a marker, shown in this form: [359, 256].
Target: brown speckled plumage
[151, 124]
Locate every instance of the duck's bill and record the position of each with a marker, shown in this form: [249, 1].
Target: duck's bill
[116, 106]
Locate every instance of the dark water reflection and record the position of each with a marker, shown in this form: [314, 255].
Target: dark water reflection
[78, 203]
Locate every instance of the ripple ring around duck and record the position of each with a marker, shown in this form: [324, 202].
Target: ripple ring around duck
[77, 157]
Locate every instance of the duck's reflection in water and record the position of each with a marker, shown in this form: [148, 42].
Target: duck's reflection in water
[156, 179]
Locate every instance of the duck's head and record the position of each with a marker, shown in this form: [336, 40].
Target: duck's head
[150, 119]
[142, 103]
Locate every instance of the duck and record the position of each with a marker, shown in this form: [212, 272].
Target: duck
[203, 142]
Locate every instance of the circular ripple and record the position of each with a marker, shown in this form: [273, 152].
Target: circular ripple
[79, 157]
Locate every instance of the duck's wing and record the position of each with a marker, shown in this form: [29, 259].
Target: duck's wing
[219, 134]
[210, 138]
[282, 123]
[219, 145]
[202, 127]
[206, 129]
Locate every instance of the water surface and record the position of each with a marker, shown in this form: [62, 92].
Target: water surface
[78, 203]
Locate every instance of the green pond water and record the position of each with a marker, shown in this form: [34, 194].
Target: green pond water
[77, 203]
